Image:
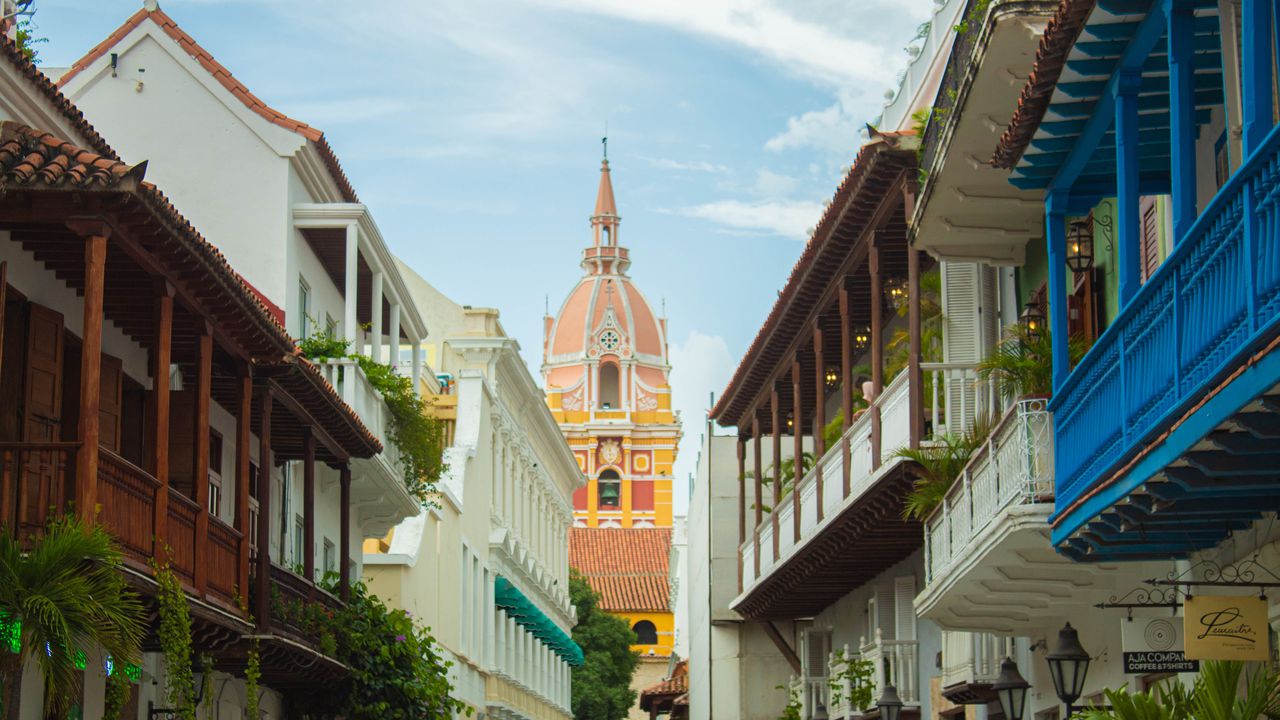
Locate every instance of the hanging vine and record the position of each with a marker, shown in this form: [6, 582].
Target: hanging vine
[252, 673]
[175, 643]
[116, 694]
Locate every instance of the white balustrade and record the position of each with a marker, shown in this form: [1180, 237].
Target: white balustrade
[959, 397]
[972, 657]
[1014, 466]
[353, 386]
[895, 662]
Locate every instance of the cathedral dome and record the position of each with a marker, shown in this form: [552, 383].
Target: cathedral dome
[607, 315]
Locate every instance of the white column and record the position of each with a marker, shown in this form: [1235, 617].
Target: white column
[350, 329]
[375, 343]
[393, 336]
[417, 363]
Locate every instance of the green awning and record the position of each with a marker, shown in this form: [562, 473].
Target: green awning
[529, 616]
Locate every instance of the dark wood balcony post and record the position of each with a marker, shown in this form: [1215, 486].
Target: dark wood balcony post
[846, 386]
[775, 410]
[877, 348]
[243, 423]
[915, 391]
[309, 504]
[756, 469]
[95, 235]
[200, 449]
[263, 609]
[158, 448]
[742, 490]
[797, 446]
[344, 542]
[819, 411]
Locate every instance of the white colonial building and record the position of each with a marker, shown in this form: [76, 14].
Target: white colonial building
[488, 567]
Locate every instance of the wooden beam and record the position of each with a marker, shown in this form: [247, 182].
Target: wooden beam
[344, 542]
[819, 411]
[305, 419]
[742, 502]
[915, 386]
[309, 505]
[846, 386]
[158, 452]
[200, 449]
[244, 411]
[781, 643]
[776, 422]
[95, 258]
[877, 350]
[263, 611]
[797, 446]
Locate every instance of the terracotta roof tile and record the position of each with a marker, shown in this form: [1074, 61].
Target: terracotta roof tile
[628, 567]
[674, 687]
[223, 76]
[49, 89]
[1056, 43]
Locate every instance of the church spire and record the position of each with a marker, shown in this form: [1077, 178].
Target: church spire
[605, 256]
[605, 206]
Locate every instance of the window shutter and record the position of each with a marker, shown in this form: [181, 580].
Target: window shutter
[817, 648]
[971, 327]
[1150, 237]
[989, 310]
[884, 608]
[904, 591]
[110, 402]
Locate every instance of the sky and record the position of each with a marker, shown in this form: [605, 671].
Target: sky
[471, 128]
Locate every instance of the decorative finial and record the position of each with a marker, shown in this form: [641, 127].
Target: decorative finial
[605, 142]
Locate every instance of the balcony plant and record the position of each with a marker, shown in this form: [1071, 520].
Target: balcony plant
[62, 595]
[1022, 364]
[419, 436]
[1216, 695]
[859, 674]
[940, 463]
[788, 471]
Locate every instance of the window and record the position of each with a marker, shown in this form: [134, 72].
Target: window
[609, 489]
[299, 539]
[330, 325]
[304, 307]
[646, 633]
[330, 557]
[253, 506]
[608, 386]
[215, 473]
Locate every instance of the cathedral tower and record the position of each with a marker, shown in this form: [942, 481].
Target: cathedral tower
[605, 370]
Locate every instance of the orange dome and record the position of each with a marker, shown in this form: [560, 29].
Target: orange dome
[606, 315]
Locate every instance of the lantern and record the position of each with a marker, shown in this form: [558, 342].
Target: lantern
[1033, 321]
[1080, 245]
[889, 704]
[1068, 666]
[1011, 690]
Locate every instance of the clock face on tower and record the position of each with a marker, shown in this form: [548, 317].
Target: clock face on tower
[609, 340]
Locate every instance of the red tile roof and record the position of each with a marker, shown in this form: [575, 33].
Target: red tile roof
[627, 566]
[31, 158]
[45, 86]
[223, 76]
[1056, 43]
[672, 688]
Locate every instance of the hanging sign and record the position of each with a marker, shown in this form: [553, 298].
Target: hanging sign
[1155, 646]
[1225, 627]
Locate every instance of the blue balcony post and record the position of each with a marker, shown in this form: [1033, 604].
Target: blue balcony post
[1255, 64]
[1182, 116]
[1055, 233]
[1127, 198]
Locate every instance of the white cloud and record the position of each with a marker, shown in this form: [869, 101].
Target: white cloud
[700, 365]
[686, 165]
[836, 128]
[772, 184]
[787, 218]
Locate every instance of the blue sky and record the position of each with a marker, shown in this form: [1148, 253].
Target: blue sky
[472, 129]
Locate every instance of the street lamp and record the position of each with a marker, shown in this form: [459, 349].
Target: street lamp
[832, 376]
[1080, 245]
[861, 338]
[896, 290]
[1011, 690]
[889, 704]
[1068, 666]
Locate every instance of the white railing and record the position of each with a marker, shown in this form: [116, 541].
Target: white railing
[895, 662]
[895, 432]
[812, 692]
[841, 690]
[972, 657]
[959, 397]
[353, 386]
[1014, 466]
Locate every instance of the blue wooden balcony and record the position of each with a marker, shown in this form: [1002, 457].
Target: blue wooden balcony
[1166, 432]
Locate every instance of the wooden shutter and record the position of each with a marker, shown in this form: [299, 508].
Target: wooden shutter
[42, 404]
[1150, 237]
[884, 608]
[904, 596]
[111, 403]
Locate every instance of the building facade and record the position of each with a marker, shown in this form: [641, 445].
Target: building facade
[150, 389]
[488, 567]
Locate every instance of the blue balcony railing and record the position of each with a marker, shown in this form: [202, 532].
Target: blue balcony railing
[1209, 306]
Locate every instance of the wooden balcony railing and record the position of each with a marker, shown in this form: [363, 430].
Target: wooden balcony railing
[294, 602]
[34, 478]
[180, 536]
[223, 562]
[127, 495]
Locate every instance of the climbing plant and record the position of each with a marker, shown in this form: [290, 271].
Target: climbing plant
[175, 642]
[858, 673]
[116, 694]
[419, 436]
[252, 673]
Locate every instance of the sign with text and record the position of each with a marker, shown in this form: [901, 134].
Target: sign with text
[1154, 645]
[1224, 627]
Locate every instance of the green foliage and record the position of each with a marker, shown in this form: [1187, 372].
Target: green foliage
[859, 674]
[788, 472]
[1022, 364]
[1215, 696]
[941, 462]
[175, 642]
[25, 37]
[897, 352]
[252, 674]
[116, 694]
[419, 437]
[397, 670]
[64, 594]
[602, 685]
[793, 707]
[973, 19]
